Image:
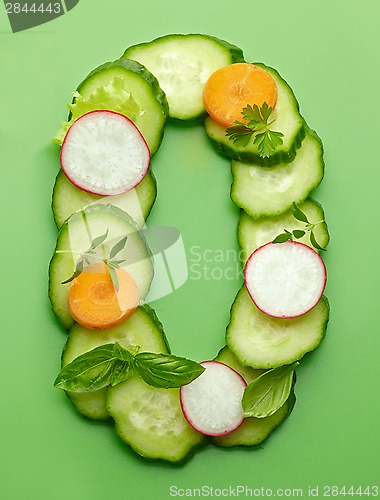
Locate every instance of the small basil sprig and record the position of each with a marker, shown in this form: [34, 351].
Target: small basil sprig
[256, 120]
[86, 257]
[111, 364]
[268, 392]
[298, 233]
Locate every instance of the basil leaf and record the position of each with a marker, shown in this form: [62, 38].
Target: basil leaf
[298, 214]
[268, 392]
[98, 240]
[118, 247]
[88, 372]
[314, 242]
[122, 354]
[298, 233]
[281, 238]
[121, 371]
[165, 370]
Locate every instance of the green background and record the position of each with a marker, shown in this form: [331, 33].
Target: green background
[328, 51]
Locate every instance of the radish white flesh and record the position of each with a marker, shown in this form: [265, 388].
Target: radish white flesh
[212, 402]
[104, 153]
[285, 280]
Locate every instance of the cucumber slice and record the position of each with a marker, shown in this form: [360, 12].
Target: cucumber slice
[267, 192]
[76, 235]
[141, 329]
[68, 199]
[253, 431]
[150, 420]
[254, 233]
[261, 341]
[226, 356]
[286, 120]
[182, 65]
[145, 90]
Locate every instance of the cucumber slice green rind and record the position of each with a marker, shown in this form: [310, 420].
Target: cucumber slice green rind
[287, 120]
[226, 356]
[194, 55]
[253, 233]
[142, 328]
[150, 420]
[261, 341]
[236, 52]
[99, 218]
[143, 87]
[264, 192]
[68, 199]
[254, 430]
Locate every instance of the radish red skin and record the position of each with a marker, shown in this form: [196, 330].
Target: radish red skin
[82, 188]
[189, 420]
[306, 248]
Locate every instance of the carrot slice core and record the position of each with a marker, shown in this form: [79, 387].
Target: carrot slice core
[231, 88]
[95, 303]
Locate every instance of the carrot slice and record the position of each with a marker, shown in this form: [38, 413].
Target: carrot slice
[94, 302]
[232, 87]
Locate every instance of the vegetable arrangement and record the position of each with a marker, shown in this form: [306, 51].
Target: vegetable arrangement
[117, 362]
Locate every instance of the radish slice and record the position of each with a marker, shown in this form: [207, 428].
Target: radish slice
[212, 402]
[104, 153]
[285, 280]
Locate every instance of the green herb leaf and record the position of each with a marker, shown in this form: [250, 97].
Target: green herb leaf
[118, 247]
[111, 364]
[257, 118]
[239, 134]
[113, 276]
[298, 214]
[78, 269]
[121, 371]
[98, 241]
[265, 111]
[267, 142]
[298, 233]
[122, 354]
[253, 116]
[281, 238]
[166, 370]
[314, 242]
[268, 392]
[88, 372]
[116, 263]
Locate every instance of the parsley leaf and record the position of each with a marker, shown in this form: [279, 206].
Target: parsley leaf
[257, 121]
[239, 135]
